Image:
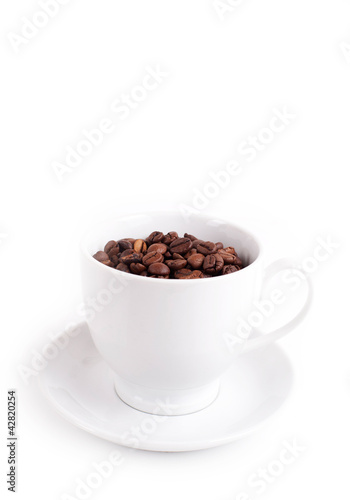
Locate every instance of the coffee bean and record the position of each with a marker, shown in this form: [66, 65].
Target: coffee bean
[115, 259]
[137, 268]
[152, 258]
[181, 245]
[228, 257]
[190, 236]
[158, 247]
[190, 252]
[187, 274]
[230, 250]
[130, 256]
[196, 260]
[170, 237]
[176, 264]
[123, 267]
[195, 243]
[182, 273]
[114, 251]
[237, 261]
[206, 248]
[168, 256]
[103, 258]
[196, 274]
[178, 256]
[128, 251]
[213, 264]
[159, 269]
[229, 269]
[124, 245]
[155, 237]
[140, 246]
[111, 244]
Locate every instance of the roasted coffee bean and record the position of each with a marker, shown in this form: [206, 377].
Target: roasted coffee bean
[168, 256]
[111, 244]
[123, 267]
[213, 263]
[195, 243]
[181, 245]
[137, 268]
[206, 248]
[152, 258]
[103, 258]
[129, 256]
[140, 246]
[228, 257]
[114, 251]
[237, 261]
[190, 236]
[159, 269]
[177, 256]
[155, 237]
[182, 273]
[132, 258]
[124, 245]
[170, 237]
[188, 274]
[196, 260]
[190, 252]
[230, 250]
[128, 251]
[176, 264]
[229, 269]
[115, 259]
[196, 274]
[158, 247]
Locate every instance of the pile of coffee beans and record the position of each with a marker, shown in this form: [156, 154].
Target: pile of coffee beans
[168, 256]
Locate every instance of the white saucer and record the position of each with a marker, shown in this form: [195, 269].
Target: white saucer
[80, 385]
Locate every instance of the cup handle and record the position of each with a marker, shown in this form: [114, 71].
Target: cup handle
[266, 338]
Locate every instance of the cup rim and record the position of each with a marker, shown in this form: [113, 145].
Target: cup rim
[169, 282]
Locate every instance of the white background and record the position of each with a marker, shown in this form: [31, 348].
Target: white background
[225, 78]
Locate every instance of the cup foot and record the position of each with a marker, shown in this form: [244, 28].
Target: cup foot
[166, 403]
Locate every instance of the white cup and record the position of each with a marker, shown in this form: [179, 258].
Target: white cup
[166, 340]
